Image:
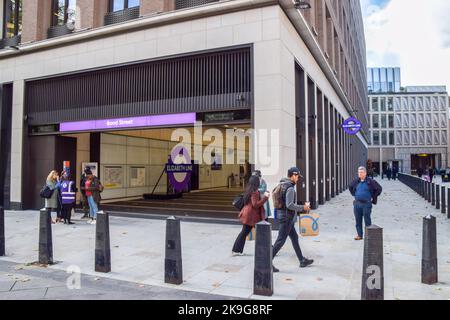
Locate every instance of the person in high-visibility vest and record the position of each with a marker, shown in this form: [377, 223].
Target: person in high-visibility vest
[68, 195]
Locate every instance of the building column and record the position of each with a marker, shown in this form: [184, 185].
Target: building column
[333, 152]
[1, 19]
[36, 17]
[91, 14]
[156, 6]
[17, 134]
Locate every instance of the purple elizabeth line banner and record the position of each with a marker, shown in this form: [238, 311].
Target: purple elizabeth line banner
[124, 123]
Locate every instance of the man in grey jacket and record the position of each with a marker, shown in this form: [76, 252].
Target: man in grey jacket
[287, 217]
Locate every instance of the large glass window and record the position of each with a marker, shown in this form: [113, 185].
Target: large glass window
[376, 138]
[384, 138]
[383, 104]
[375, 121]
[390, 104]
[63, 12]
[383, 121]
[118, 5]
[391, 121]
[12, 23]
[375, 104]
[391, 138]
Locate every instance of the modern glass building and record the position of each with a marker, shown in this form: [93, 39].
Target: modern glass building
[383, 80]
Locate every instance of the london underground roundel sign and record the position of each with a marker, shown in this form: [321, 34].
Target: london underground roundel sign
[352, 126]
[179, 168]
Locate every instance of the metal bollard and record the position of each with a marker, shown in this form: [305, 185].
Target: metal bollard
[433, 194]
[45, 237]
[438, 197]
[263, 273]
[173, 268]
[443, 199]
[102, 243]
[429, 251]
[2, 232]
[372, 287]
[448, 203]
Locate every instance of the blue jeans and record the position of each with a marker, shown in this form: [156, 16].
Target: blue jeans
[362, 210]
[93, 209]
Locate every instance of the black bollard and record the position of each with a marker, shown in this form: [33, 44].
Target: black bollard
[263, 274]
[443, 199]
[429, 251]
[173, 270]
[45, 237]
[448, 203]
[433, 194]
[2, 232]
[438, 197]
[102, 243]
[372, 287]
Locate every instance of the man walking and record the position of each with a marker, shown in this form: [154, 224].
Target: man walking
[287, 211]
[366, 192]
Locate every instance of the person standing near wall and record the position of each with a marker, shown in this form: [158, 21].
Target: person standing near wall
[93, 187]
[84, 201]
[68, 196]
[52, 182]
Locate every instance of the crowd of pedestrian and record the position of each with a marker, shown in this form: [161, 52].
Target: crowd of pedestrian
[60, 193]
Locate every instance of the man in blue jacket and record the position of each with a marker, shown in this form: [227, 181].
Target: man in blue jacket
[366, 192]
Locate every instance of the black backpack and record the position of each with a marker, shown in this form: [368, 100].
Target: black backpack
[238, 202]
[46, 192]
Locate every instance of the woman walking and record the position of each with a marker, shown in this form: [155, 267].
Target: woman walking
[52, 183]
[262, 190]
[252, 213]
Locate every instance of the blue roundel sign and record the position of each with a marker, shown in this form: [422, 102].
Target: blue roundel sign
[179, 168]
[352, 126]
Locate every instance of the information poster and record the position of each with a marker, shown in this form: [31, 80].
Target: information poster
[113, 177]
[137, 175]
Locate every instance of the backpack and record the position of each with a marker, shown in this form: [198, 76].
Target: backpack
[46, 192]
[238, 202]
[279, 196]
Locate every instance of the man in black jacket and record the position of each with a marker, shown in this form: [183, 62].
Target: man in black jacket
[366, 192]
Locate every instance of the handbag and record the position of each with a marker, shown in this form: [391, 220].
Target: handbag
[238, 202]
[46, 192]
[309, 224]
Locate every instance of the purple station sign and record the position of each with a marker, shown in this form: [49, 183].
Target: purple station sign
[352, 126]
[125, 123]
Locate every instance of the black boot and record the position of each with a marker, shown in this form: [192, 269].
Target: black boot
[306, 262]
[275, 270]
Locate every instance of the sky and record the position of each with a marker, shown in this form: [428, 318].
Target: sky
[411, 34]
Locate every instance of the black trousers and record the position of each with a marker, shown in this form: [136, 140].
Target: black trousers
[240, 240]
[287, 229]
[66, 212]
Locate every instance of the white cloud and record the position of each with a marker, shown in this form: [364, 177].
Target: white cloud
[411, 34]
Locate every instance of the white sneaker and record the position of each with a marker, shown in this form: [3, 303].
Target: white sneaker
[237, 254]
[94, 222]
[89, 221]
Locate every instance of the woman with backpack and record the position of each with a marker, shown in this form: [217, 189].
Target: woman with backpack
[52, 184]
[252, 213]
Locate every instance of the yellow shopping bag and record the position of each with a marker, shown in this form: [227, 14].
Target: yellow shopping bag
[309, 224]
[252, 235]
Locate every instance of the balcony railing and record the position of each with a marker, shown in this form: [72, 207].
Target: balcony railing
[122, 15]
[183, 4]
[10, 42]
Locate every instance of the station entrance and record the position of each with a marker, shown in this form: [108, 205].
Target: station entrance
[131, 166]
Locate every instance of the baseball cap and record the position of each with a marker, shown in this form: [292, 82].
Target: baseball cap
[294, 171]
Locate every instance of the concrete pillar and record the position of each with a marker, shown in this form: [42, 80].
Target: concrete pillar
[372, 287]
[90, 14]
[2, 232]
[173, 270]
[433, 194]
[45, 237]
[156, 6]
[263, 273]
[36, 17]
[102, 243]
[438, 197]
[17, 137]
[1, 19]
[429, 251]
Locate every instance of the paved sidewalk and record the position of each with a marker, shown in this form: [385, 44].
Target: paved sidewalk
[137, 249]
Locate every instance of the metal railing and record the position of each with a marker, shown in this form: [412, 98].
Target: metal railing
[183, 4]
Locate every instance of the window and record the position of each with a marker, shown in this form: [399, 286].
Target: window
[63, 12]
[384, 138]
[376, 138]
[390, 104]
[12, 24]
[383, 104]
[383, 121]
[391, 138]
[391, 121]
[118, 5]
[375, 104]
[375, 121]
